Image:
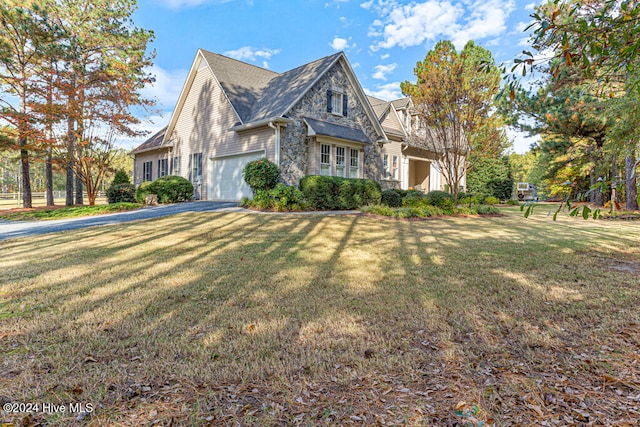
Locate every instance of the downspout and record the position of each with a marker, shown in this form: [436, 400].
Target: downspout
[277, 129]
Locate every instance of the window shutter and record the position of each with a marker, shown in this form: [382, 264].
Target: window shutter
[344, 105]
[159, 168]
[190, 174]
[329, 100]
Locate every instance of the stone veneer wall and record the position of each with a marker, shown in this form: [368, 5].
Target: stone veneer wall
[293, 148]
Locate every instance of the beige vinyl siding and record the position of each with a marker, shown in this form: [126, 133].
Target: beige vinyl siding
[390, 121]
[394, 149]
[203, 127]
[149, 156]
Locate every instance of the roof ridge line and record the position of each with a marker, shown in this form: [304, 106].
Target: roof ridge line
[242, 62]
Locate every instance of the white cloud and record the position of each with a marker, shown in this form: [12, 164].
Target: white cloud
[251, 53]
[385, 56]
[530, 6]
[412, 24]
[339, 43]
[167, 86]
[387, 91]
[380, 71]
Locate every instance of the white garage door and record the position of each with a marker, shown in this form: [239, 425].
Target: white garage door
[225, 177]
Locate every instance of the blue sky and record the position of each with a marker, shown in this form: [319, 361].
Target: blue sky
[383, 39]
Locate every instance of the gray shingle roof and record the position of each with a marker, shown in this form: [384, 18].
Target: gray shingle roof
[334, 130]
[257, 93]
[243, 83]
[155, 141]
[379, 105]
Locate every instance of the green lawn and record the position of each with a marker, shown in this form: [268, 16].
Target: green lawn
[251, 319]
[59, 212]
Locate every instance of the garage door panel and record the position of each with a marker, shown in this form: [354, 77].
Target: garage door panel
[225, 177]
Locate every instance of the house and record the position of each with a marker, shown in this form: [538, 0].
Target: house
[312, 120]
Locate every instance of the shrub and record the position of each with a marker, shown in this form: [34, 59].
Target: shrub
[118, 193]
[391, 198]
[281, 198]
[404, 212]
[469, 200]
[169, 189]
[143, 191]
[415, 199]
[331, 193]
[286, 198]
[490, 200]
[261, 174]
[121, 177]
[512, 202]
[487, 210]
[438, 198]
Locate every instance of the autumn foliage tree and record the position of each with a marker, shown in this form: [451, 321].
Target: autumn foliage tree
[74, 70]
[453, 99]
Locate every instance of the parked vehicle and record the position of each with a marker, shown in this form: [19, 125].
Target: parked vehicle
[526, 191]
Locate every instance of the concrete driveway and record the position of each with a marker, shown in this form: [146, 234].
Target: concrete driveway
[15, 229]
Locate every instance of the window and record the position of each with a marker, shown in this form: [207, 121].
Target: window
[147, 171]
[340, 162]
[163, 167]
[175, 166]
[354, 163]
[195, 168]
[325, 160]
[394, 167]
[385, 167]
[337, 103]
[336, 108]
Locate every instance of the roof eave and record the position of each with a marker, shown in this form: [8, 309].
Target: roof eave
[260, 123]
[145, 150]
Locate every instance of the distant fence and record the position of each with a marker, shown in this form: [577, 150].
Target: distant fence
[14, 200]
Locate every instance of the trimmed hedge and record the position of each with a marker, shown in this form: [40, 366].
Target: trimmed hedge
[282, 198]
[121, 193]
[335, 193]
[391, 198]
[169, 189]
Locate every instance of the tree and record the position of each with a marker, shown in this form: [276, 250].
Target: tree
[601, 37]
[572, 122]
[104, 60]
[22, 35]
[453, 99]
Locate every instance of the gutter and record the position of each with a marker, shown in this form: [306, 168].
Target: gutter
[261, 123]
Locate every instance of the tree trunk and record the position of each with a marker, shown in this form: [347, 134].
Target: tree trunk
[632, 189]
[26, 177]
[592, 173]
[49, 177]
[79, 199]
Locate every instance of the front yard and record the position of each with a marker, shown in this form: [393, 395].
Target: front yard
[231, 318]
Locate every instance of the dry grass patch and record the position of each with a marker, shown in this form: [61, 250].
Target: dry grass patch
[220, 319]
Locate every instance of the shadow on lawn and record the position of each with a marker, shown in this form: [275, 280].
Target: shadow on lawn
[459, 308]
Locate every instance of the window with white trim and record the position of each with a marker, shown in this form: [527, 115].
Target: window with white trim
[336, 103]
[175, 166]
[325, 160]
[147, 169]
[394, 167]
[163, 167]
[354, 163]
[195, 171]
[340, 162]
[385, 167]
